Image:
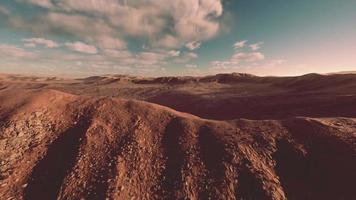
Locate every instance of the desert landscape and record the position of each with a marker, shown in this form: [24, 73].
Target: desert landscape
[225, 136]
[177, 100]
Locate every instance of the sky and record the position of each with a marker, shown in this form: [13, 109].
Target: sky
[181, 37]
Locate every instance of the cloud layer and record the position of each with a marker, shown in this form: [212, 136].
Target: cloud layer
[104, 34]
[12, 51]
[33, 42]
[106, 23]
[246, 59]
[81, 47]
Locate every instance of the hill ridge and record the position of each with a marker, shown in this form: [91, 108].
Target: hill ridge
[96, 148]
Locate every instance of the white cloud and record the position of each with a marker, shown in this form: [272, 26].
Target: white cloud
[16, 52]
[168, 41]
[122, 54]
[247, 57]
[240, 44]
[108, 42]
[193, 45]
[108, 61]
[237, 62]
[33, 42]
[149, 58]
[256, 46]
[190, 66]
[174, 53]
[81, 47]
[192, 55]
[143, 59]
[186, 57]
[187, 20]
[102, 28]
[240, 59]
[88, 29]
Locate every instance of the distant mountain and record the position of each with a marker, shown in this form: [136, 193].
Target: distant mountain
[343, 72]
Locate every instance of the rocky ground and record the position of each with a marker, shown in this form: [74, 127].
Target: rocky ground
[57, 145]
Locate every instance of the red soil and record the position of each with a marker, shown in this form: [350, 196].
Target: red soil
[55, 145]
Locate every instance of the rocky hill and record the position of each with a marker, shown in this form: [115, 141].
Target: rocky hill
[55, 145]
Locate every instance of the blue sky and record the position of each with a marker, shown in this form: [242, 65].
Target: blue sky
[183, 37]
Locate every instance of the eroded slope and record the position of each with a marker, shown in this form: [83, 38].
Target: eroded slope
[59, 146]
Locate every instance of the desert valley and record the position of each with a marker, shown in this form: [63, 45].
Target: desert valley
[177, 100]
[226, 136]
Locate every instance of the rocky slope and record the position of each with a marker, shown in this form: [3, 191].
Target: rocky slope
[55, 145]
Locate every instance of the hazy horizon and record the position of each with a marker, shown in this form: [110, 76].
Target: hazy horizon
[184, 37]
